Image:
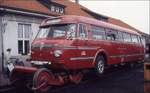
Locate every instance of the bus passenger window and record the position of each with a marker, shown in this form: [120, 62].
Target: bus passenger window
[82, 31]
[98, 33]
[134, 39]
[120, 36]
[127, 37]
[139, 39]
[112, 35]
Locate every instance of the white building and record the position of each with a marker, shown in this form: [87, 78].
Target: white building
[21, 24]
[19, 31]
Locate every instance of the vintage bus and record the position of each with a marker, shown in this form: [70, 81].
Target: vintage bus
[65, 46]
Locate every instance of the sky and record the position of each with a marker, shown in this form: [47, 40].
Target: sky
[133, 12]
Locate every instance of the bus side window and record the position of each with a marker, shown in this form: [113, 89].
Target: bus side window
[120, 36]
[127, 37]
[140, 41]
[111, 35]
[134, 39]
[82, 31]
[98, 33]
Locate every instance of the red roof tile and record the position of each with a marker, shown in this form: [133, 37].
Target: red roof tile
[28, 5]
[72, 8]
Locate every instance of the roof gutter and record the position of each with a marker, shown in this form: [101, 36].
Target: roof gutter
[24, 12]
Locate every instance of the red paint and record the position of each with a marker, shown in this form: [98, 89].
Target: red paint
[109, 48]
[22, 69]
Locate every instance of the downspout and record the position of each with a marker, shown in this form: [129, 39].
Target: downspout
[1, 38]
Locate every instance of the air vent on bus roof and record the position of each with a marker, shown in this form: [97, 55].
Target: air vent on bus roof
[51, 21]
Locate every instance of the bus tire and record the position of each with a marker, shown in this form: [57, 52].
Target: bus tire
[42, 75]
[100, 65]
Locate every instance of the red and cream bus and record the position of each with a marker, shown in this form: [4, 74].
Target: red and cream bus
[67, 45]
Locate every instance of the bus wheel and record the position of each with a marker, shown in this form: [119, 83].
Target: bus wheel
[40, 81]
[100, 65]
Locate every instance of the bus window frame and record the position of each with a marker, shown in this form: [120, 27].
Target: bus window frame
[91, 34]
[139, 39]
[111, 32]
[136, 38]
[86, 30]
[122, 38]
[129, 35]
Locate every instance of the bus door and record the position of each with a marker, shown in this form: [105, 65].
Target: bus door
[82, 54]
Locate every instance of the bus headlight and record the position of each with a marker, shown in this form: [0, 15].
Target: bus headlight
[57, 53]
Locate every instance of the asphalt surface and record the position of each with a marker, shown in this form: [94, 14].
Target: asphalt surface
[115, 80]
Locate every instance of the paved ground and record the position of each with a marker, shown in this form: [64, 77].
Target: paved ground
[117, 80]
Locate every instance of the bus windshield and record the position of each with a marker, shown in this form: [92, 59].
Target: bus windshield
[58, 31]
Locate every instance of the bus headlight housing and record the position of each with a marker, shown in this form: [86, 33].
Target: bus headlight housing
[57, 53]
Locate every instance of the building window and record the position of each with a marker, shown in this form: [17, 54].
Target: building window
[27, 31]
[20, 30]
[24, 31]
[61, 10]
[52, 8]
[20, 46]
[26, 47]
[57, 9]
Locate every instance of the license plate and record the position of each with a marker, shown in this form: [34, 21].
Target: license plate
[10, 67]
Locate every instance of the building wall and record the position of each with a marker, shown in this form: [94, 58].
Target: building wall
[11, 31]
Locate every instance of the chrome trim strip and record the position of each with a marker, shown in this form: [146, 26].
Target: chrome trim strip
[64, 47]
[40, 62]
[126, 55]
[80, 48]
[81, 58]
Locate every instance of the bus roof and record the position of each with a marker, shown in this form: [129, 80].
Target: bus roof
[82, 19]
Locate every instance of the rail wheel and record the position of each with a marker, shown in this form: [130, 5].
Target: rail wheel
[100, 65]
[40, 81]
